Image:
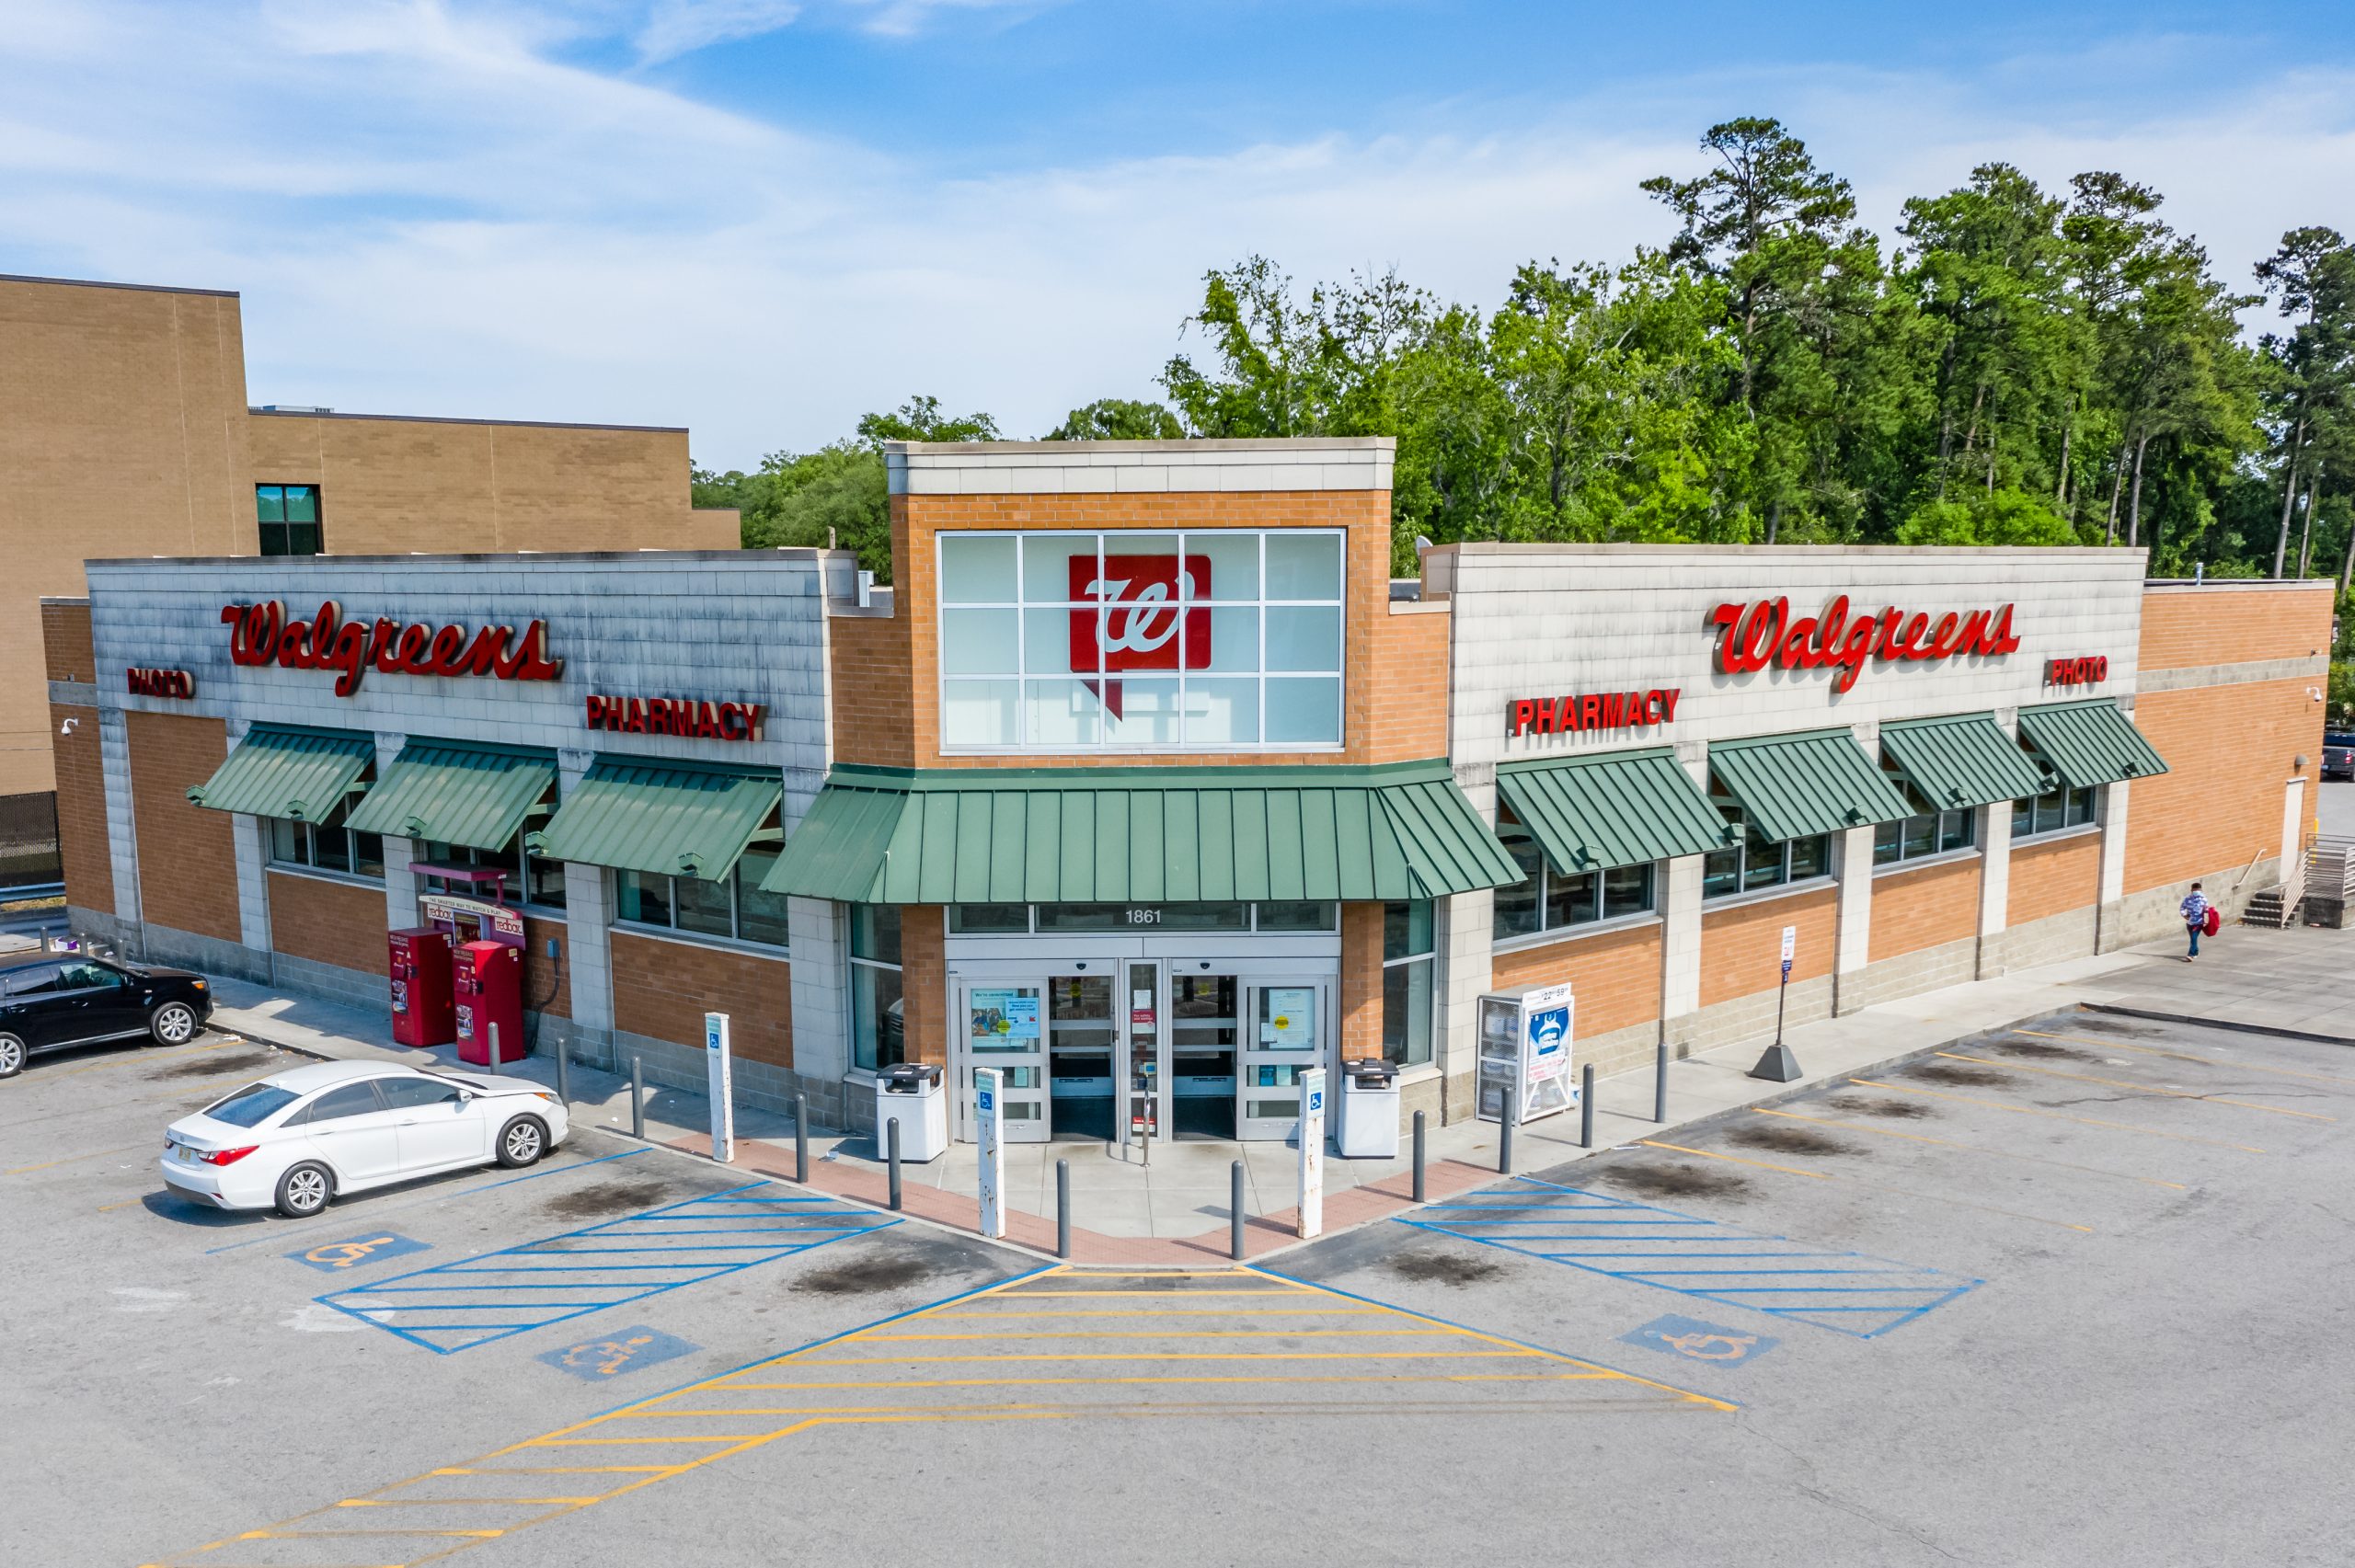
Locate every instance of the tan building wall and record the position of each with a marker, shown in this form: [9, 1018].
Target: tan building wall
[1741, 947]
[328, 922]
[191, 882]
[1614, 974]
[2052, 877]
[662, 988]
[1914, 909]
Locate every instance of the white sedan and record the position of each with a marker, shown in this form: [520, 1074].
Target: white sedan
[297, 1141]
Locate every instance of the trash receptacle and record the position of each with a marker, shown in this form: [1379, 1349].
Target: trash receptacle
[909, 1094]
[1369, 1109]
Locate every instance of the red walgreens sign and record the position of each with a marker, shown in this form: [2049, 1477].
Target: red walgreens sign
[1755, 636]
[1140, 605]
[262, 634]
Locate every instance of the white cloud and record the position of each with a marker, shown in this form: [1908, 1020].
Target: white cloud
[681, 27]
[431, 211]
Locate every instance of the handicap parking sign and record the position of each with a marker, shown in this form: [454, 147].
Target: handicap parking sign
[625, 1350]
[1696, 1341]
[335, 1257]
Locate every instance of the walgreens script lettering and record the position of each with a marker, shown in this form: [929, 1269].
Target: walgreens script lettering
[1762, 634]
[262, 634]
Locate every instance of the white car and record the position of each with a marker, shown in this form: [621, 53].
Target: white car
[297, 1141]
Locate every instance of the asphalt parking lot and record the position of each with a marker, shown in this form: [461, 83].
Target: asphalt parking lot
[2068, 1294]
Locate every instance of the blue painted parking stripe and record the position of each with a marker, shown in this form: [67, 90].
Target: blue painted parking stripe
[438, 1306]
[1851, 1293]
[273, 1233]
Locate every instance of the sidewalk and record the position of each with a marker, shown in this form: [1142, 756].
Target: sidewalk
[1174, 1208]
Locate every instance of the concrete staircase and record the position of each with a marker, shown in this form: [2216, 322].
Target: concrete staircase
[2325, 870]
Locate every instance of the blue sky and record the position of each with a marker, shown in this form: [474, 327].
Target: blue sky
[760, 217]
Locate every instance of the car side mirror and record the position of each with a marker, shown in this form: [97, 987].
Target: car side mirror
[465, 1097]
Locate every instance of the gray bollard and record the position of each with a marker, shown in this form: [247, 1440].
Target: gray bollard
[1660, 1086]
[1419, 1156]
[1586, 1106]
[1234, 1210]
[891, 1141]
[1508, 1116]
[638, 1098]
[494, 1047]
[1062, 1209]
[563, 1075]
[801, 1139]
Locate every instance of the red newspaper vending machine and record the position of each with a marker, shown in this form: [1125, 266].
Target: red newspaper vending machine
[418, 965]
[487, 980]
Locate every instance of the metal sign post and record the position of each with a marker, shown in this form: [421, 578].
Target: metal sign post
[721, 1075]
[992, 1178]
[1312, 1153]
[1778, 1065]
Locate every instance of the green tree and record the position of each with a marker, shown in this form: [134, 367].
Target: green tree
[2311, 275]
[1118, 419]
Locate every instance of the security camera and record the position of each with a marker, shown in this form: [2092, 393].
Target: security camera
[67, 727]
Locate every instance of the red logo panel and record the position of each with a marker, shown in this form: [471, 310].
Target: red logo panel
[1139, 626]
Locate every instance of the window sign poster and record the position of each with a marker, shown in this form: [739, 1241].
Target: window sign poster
[1547, 1032]
[1289, 1023]
[1005, 1015]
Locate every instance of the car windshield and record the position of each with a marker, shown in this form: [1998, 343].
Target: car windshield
[252, 1106]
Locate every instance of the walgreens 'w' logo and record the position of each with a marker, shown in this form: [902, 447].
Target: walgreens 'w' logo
[1138, 606]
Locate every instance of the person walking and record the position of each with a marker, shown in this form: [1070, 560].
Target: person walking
[2195, 919]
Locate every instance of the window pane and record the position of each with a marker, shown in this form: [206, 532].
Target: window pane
[1305, 709]
[269, 503]
[1957, 829]
[760, 917]
[1222, 711]
[544, 882]
[288, 840]
[1304, 640]
[1888, 842]
[1920, 835]
[1720, 872]
[1406, 1012]
[1234, 564]
[1762, 861]
[302, 539]
[1304, 567]
[1810, 857]
[642, 897]
[1058, 640]
[1406, 929]
[1571, 900]
[1233, 639]
[2023, 818]
[989, 920]
[367, 855]
[1298, 917]
[875, 932]
[1626, 891]
[1516, 907]
[2052, 811]
[273, 539]
[2080, 806]
[1048, 575]
[878, 1022]
[1062, 713]
[977, 571]
[302, 503]
[978, 713]
[701, 907]
[980, 642]
[1140, 713]
[332, 848]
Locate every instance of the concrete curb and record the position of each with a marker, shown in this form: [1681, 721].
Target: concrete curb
[2235, 1024]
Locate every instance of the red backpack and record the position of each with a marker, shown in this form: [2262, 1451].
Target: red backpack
[2214, 921]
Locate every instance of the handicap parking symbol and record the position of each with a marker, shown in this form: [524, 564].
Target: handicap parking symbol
[334, 1257]
[626, 1350]
[1698, 1341]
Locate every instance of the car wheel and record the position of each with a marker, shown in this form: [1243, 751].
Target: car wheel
[12, 1056]
[304, 1190]
[522, 1141]
[174, 1024]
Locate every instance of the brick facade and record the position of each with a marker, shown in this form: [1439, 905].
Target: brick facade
[2052, 877]
[65, 639]
[924, 982]
[326, 922]
[2231, 623]
[662, 988]
[1616, 974]
[82, 839]
[1741, 947]
[2231, 750]
[1360, 990]
[188, 873]
[1928, 907]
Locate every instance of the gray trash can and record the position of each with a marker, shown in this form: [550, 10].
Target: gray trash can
[909, 1094]
[1369, 1109]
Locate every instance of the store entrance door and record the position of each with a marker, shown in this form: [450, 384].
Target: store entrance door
[1284, 1035]
[998, 1026]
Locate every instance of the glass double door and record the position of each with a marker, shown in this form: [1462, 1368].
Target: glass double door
[1123, 1050]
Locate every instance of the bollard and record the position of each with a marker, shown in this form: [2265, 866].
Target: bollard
[1234, 1210]
[1660, 1086]
[638, 1098]
[563, 1075]
[801, 1139]
[893, 1142]
[1419, 1156]
[1507, 1119]
[1062, 1209]
[494, 1047]
[1586, 1106]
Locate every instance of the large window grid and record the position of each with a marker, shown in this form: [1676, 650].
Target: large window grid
[1757, 860]
[1926, 833]
[1227, 640]
[288, 515]
[1545, 900]
[733, 907]
[1409, 960]
[878, 1031]
[326, 846]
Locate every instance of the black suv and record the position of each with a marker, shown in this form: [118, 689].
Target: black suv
[2339, 754]
[52, 1002]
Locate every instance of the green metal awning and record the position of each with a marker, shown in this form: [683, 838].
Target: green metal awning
[301, 773]
[456, 795]
[1140, 835]
[670, 818]
[2090, 742]
[1616, 809]
[1962, 760]
[1795, 787]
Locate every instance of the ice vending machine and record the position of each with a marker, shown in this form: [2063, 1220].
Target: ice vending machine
[487, 980]
[418, 965]
[1525, 1051]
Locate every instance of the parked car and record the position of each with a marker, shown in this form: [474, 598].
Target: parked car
[299, 1140]
[2339, 754]
[50, 1002]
